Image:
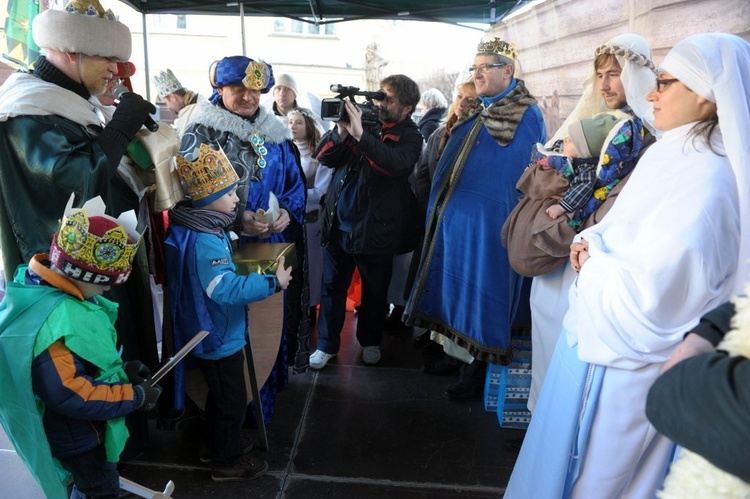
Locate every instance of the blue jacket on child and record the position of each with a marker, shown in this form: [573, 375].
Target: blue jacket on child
[206, 293]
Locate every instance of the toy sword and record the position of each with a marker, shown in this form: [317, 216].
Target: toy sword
[181, 353]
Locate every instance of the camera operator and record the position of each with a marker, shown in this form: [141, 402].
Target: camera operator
[369, 215]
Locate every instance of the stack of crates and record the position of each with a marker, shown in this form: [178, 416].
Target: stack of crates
[506, 388]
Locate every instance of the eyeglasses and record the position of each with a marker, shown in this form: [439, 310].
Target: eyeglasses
[483, 68]
[661, 85]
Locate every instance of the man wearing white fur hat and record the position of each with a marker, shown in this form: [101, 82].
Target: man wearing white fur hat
[54, 140]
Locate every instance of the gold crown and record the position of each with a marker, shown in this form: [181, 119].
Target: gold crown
[496, 46]
[258, 75]
[89, 8]
[209, 174]
[108, 252]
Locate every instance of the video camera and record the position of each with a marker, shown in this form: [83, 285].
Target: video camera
[332, 109]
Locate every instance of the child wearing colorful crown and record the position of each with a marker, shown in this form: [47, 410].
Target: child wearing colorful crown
[65, 390]
[206, 293]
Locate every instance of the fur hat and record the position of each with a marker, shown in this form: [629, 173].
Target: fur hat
[588, 135]
[207, 177]
[166, 83]
[93, 247]
[286, 80]
[83, 27]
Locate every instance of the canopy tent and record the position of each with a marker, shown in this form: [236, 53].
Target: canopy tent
[331, 11]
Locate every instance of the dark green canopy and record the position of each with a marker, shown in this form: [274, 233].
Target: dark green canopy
[330, 11]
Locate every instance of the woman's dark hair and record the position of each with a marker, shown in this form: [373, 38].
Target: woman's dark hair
[704, 130]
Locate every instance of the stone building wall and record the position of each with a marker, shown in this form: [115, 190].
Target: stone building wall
[556, 39]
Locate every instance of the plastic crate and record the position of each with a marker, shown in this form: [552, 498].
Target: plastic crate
[507, 387]
[512, 411]
[492, 387]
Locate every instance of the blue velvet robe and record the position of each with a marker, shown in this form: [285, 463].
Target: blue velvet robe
[465, 287]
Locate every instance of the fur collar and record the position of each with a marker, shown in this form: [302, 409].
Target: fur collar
[265, 125]
[501, 119]
[691, 475]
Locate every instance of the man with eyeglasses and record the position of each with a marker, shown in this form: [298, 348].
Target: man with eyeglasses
[465, 291]
[369, 215]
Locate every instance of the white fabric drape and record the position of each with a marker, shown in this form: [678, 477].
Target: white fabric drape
[665, 254]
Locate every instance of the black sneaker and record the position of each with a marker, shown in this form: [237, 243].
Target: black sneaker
[249, 468]
[205, 453]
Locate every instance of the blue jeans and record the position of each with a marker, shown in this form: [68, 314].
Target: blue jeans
[338, 268]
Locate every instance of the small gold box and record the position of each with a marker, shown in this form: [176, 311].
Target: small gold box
[263, 258]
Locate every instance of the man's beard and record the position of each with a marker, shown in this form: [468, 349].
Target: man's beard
[385, 116]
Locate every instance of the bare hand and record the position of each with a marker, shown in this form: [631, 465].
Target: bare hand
[354, 127]
[281, 223]
[691, 346]
[284, 275]
[579, 253]
[555, 211]
[251, 226]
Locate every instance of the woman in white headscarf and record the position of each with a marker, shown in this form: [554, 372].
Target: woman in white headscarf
[666, 253]
[620, 77]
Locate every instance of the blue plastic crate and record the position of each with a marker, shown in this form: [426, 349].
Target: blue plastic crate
[506, 388]
[492, 387]
[513, 397]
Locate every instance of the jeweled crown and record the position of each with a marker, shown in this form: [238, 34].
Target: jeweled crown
[93, 247]
[496, 46]
[208, 175]
[110, 251]
[166, 83]
[258, 75]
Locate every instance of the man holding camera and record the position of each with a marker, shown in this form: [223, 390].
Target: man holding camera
[369, 214]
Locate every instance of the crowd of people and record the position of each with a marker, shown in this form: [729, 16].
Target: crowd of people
[623, 329]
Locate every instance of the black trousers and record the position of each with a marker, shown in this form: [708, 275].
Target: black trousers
[93, 476]
[338, 268]
[226, 406]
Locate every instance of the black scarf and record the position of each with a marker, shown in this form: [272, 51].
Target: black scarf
[51, 74]
[199, 220]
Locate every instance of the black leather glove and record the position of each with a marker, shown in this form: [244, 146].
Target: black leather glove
[137, 371]
[129, 117]
[146, 396]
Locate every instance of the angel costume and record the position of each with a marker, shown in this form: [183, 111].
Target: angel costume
[665, 254]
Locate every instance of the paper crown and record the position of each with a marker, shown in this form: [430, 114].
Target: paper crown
[496, 46]
[93, 247]
[166, 83]
[207, 178]
[83, 27]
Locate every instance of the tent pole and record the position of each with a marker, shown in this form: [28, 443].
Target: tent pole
[242, 27]
[145, 58]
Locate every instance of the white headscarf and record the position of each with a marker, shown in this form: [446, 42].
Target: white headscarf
[716, 66]
[633, 54]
